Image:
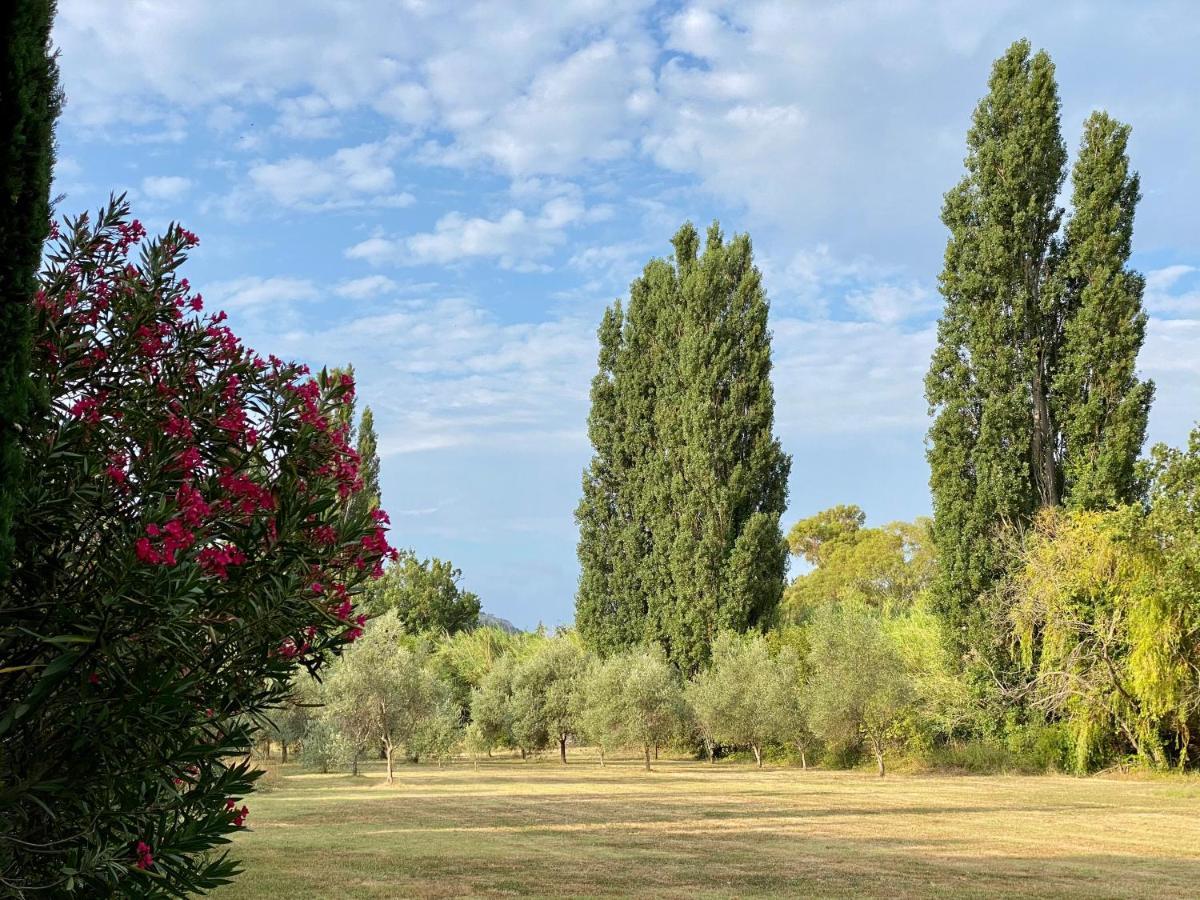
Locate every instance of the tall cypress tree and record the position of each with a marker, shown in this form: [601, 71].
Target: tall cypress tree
[610, 609]
[368, 467]
[29, 105]
[679, 522]
[1098, 397]
[1031, 407]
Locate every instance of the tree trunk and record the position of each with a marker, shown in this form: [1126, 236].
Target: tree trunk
[268, 743]
[646, 748]
[562, 750]
[803, 761]
[522, 753]
[602, 757]
[387, 750]
[283, 752]
[757, 754]
[354, 764]
[711, 751]
[1045, 463]
[879, 759]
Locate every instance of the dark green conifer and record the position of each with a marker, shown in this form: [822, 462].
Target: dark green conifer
[1032, 383]
[679, 522]
[29, 104]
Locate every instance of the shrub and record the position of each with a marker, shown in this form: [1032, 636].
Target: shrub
[185, 548]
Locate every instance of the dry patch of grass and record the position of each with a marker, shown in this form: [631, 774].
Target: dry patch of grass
[512, 828]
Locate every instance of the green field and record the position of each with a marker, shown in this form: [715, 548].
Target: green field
[512, 828]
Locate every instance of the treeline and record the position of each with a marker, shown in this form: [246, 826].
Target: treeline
[1052, 601]
[415, 697]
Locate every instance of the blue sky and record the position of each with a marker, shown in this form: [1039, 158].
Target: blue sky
[447, 195]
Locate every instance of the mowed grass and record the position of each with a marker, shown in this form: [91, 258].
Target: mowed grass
[540, 829]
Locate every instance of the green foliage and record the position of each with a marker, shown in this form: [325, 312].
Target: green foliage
[945, 704]
[859, 687]
[1105, 608]
[651, 699]
[384, 693]
[601, 720]
[1032, 383]
[491, 707]
[29, 104]
[181, 554]
[544, 704]
[813, 537]
[425, 595]
[679, 520]
[464, 658]
[367, 500]
[885, 568]
[1096, 393]
[747, 697]
[323, 747]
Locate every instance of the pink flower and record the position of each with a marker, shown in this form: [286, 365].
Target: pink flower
[239, 815]
[178, 426]
[144, 858]
[146, 552]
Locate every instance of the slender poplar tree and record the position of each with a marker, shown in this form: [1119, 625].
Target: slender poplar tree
[679, 521]
[1032, 382]
[29, 104]
[1099, 400]
[368, 467]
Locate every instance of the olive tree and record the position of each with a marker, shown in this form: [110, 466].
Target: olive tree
[545, 685]
[858, 684]
[383, 692]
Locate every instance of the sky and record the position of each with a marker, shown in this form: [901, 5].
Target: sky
[447, 195]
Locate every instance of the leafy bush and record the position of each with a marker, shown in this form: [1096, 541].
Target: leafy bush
[185, 548]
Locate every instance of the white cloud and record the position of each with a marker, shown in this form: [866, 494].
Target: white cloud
[307, 117]
[166, 188]
[256, 293]
[849, 377]
[352, 176]
[1162, 297]
[891, 304]
[367, 287]
[1169, 357]
[451, 374]
[515, 239]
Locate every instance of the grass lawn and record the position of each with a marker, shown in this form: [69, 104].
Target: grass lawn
[689, 829]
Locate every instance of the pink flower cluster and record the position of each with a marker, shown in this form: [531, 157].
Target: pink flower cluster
[239, 815]
[217, 560]
[244, 493]
[145, 859]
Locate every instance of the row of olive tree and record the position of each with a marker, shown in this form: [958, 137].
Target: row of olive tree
[841, 683]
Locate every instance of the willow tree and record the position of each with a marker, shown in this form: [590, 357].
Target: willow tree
[1032, 381]
[29, 104]
[679, 521]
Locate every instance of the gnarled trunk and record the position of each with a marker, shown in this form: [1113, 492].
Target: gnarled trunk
[562, 749]
[757, 754]
[646, 748]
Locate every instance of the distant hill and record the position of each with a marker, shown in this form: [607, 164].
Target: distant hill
[487, 620]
